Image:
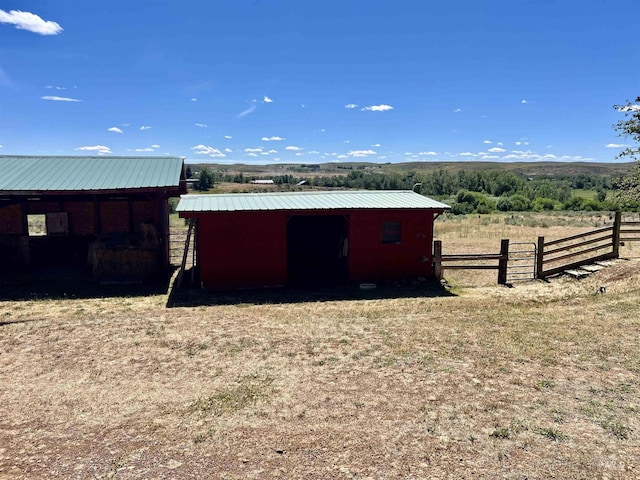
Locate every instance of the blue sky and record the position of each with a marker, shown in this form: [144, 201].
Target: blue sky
[268, 81]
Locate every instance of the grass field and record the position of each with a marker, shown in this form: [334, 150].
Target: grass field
[537, 381]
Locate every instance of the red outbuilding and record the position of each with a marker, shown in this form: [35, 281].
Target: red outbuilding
[321, 238]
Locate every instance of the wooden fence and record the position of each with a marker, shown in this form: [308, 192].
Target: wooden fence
[630, 230]
[471, 261]
[567, 253]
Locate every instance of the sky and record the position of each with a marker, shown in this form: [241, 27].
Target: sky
[314, 81]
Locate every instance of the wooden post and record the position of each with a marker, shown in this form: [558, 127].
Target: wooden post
[540, 258]
[437, 259]
[616, 234]
[503, 262]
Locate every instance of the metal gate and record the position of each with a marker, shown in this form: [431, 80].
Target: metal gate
[522, 261]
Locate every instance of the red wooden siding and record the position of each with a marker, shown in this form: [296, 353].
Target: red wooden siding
[11, 220]
[249, 249]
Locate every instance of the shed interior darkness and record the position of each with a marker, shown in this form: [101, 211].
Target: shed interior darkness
[317, 250]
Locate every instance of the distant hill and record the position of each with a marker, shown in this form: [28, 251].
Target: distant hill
[528, 169]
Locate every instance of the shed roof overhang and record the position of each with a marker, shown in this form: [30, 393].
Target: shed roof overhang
[196, 205]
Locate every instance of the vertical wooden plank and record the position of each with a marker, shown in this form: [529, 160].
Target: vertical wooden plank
[503, 262]
[540, 258]
[437, 259]
[616, 234]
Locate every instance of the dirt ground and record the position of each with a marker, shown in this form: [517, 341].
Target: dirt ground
[476, 381]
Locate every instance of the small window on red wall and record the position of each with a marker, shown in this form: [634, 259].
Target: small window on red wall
[391, 232]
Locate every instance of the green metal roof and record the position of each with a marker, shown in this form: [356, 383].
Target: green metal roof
[41, 174]
[319, 200]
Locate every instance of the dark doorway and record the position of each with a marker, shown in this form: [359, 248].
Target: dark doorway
[317, 250]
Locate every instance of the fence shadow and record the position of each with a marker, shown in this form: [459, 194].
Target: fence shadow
[192, 297]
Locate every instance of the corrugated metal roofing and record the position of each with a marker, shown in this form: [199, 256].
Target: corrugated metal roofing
[322, 200]
[36, 174]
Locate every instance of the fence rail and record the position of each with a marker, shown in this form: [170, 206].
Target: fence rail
[578, 250]
[470, 261]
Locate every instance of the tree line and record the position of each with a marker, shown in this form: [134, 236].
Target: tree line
[468, 191]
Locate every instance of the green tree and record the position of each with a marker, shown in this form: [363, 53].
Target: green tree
[205, 180]
[627, 189]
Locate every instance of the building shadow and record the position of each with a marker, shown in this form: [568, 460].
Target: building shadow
[56, 283]
[196, 297]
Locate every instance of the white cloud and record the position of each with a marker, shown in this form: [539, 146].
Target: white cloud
[194, 99]
[145, 127]
[54, 98]
[57, 88]
[1, 146]
[342, 156]
[427, 153]
[378, 108]
[360, 153]
[298, 154]
[499, 143]
[272, 151]
[272, 139]
[488, 142]
[457, 110]
[252, 154]
[206, 150]
[115, 130]
[351, 105]
[524, 101]
[267, 100]
[497, 150]
[155, 146]
[228, 137]
[251, 109]
[630, 108]
[30, 21]
[100, 149]
[253, 150]
[313, 152]
[201, 125]
[467, 154]
[616, 145]
[228, 150]
[376, 145]
[294, 148]
[148, 149]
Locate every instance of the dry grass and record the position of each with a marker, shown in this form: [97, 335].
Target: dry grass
[537, 381]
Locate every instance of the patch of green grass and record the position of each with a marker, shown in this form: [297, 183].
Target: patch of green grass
[618, 429]
[552, 433]
[502, 433]
[232, 399]
[545, 383]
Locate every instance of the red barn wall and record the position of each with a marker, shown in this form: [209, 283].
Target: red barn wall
[114, 216]
[249, 249]
[81, 217]
[242, 250]
[11, 220]
[371, 260]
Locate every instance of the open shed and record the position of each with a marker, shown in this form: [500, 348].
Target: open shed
[109, 214]
[322, 238]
